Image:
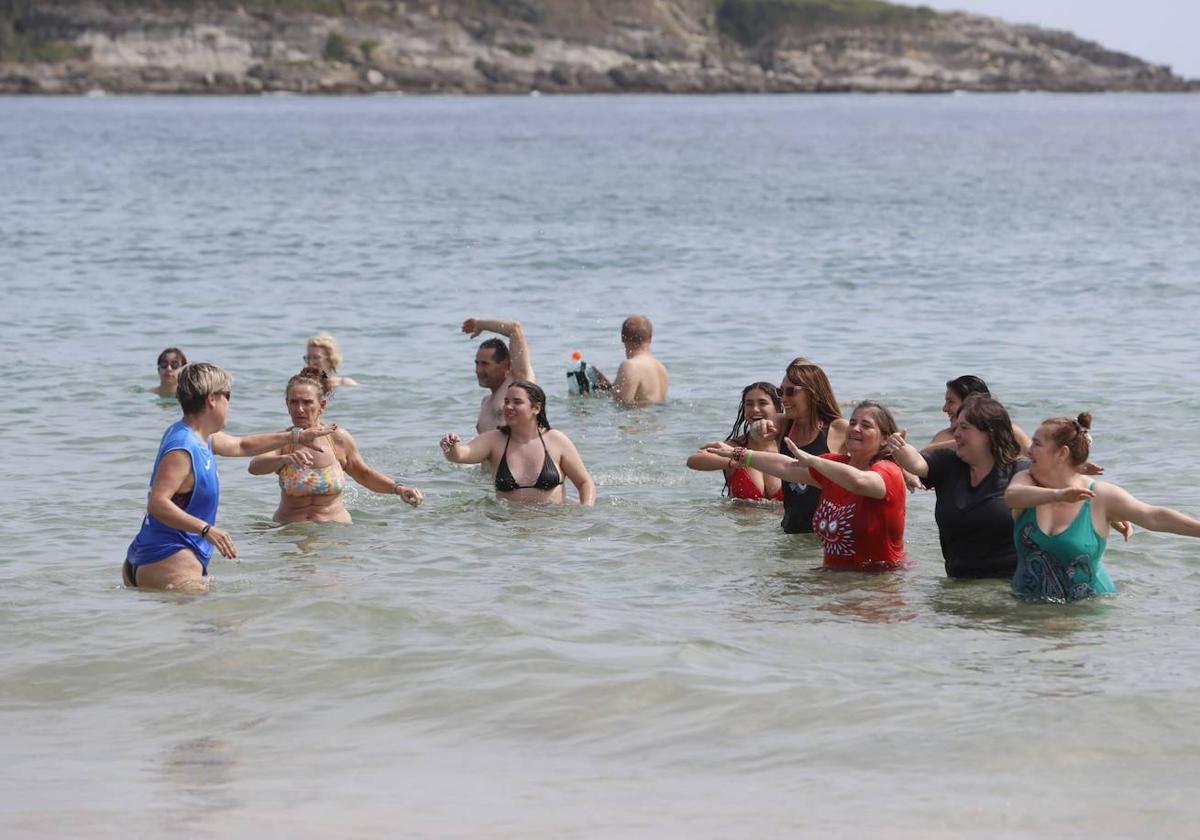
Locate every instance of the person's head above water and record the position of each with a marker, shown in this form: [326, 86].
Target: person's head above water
[1061, 444]
[760, 401]
[983, 429]
[959, 389]
[322, 351]
[806, 394]
[637, 331]
[170, 362]
[492, 363]
[870, 425]
[524, 400]
[202, 384]
[306, 396]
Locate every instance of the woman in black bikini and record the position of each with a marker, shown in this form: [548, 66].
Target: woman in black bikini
[528, 459]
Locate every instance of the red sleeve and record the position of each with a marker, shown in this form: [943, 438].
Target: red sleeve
[820, 479]
[893, 480]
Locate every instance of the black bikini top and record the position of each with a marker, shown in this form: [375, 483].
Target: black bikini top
[547, 479]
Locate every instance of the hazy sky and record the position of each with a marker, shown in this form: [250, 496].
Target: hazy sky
[1159, 31]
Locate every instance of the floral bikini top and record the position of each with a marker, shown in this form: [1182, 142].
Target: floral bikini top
[312, 481]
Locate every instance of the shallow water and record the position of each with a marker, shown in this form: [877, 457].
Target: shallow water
[669, 663]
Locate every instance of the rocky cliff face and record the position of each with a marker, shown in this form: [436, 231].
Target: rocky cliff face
[516, 46]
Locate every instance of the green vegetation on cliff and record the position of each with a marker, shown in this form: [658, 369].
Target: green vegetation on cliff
[750, 21]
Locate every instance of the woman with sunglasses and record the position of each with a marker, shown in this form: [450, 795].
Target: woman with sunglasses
[312, 476]
[862, 498]
[322, 351]
[170, 361]
[179, 532]
[812, 422]
[760, 401]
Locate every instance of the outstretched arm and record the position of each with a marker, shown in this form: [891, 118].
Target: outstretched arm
[520, 363]
[1024, 493]
[708, 461]
[906, 455]
[859, 482]
[475, 452]
[232, 446]
[771, 463]
[1120, 504]
[357, 468]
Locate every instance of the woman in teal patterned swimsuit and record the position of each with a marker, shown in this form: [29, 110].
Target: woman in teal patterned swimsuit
[1062, 518]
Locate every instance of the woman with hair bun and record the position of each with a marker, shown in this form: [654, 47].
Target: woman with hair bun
[760, 402]
[312, 475]
[528, 459]
[1061, 518]
[862, 498]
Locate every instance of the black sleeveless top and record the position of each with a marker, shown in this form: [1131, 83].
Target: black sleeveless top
[800, 500]
[547, 479]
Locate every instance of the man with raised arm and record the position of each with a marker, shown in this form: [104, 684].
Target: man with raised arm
[641, 379]
[497, 365]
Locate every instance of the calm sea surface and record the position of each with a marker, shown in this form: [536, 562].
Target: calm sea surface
[667, 664]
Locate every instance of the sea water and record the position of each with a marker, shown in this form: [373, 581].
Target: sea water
[669, 663]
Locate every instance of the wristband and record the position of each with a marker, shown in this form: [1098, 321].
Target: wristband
[204, 531]
[295, 436]
[396, 488]
[749, 458]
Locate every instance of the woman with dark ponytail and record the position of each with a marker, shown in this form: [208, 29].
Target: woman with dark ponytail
[528, 459]
[754, 428]
[1062, 518]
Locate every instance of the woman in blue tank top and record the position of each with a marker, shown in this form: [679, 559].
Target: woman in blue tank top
[1061, 518]
[179, 533]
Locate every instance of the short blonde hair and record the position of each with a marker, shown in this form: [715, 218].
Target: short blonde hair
[329, 344]
[196, 382]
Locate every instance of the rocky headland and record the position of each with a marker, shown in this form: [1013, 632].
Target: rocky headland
[552, 46]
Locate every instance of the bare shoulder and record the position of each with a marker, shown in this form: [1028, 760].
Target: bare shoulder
[341, 437]
[841, 424]
[554, 435]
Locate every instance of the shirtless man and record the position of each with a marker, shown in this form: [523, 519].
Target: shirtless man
[497, 365]
[641, 379]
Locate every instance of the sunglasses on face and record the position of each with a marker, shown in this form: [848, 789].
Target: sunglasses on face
[228, 396]
[791, 390]
[313, 358]
[172, 365]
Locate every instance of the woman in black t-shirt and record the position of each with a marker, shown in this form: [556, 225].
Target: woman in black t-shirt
[975, 526]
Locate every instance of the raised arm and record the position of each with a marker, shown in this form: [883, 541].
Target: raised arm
[1120, 504]
[520, 363]
[357, 468]
[573, 468]
[475, 452]
[906, 455]
[1024, 493]
[232, 446]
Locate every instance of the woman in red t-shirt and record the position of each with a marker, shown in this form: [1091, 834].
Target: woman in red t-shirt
[860, 517]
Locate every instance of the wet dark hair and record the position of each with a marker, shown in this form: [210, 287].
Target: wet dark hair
[314, 376]
[886, 423]
[740, 433]
[965, 386]
[499, 349]
[990, 417]
[174, 350]
[536, 396]
[1075, 434]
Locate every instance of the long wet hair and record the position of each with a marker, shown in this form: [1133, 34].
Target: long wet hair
[536, 397]
[740, 433]
[1075, 434]
[990, 417]
[810, 377]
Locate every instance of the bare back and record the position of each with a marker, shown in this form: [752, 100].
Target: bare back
[641, 380]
